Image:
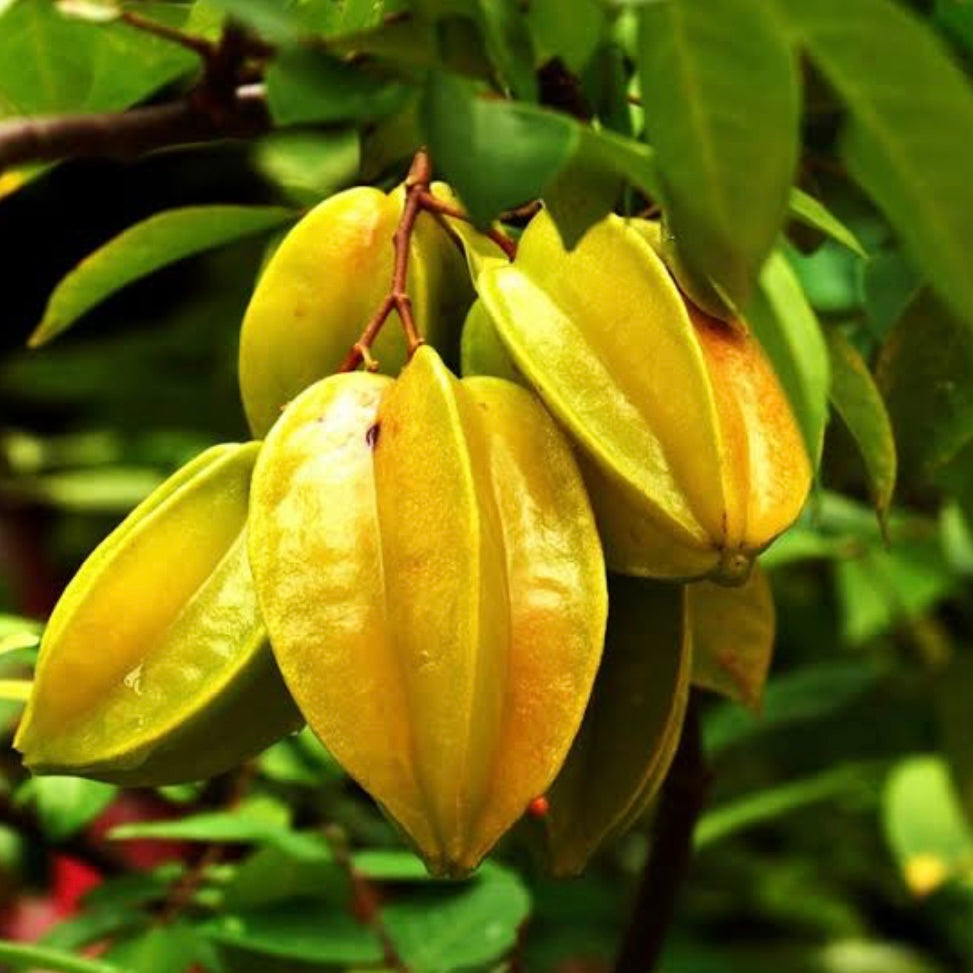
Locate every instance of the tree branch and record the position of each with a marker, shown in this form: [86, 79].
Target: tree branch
[125, 135]
[683, 797]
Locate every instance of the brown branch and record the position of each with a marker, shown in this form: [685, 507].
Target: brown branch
[416, 183]
[183, 890]
[683, 797]
[198, 45]
[441, 208]
[125, 135]
[366, 904]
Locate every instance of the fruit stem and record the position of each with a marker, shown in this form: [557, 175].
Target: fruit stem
[418, 199]
[416, 184]
[439, 207]
[683, 797]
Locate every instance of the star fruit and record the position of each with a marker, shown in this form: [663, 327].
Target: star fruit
[430, 574]
[154, 667]
[324, 282]
[691, 454]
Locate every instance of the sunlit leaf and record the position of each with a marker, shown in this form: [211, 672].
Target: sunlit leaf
[924, 824]
[790, 334]
[146, 247]
[79, 66]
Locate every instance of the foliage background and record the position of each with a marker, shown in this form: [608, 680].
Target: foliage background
[837, 833]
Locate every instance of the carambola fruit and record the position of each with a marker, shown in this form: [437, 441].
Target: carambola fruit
[323, 284]
[690, 451]
[155, 667]
[430, 574]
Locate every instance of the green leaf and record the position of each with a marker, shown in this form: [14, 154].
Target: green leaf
[306, 86]
[133, 888]
[460, 926]
[91, 925]
[857, 400]
[270, 875]
[906, 139]
[790, 334]
[75, 66]
[810, 693]
[66, 804]
[725, 137]
[19, 956]
[924, 824]
[309, 165]
[771, 803]
[925, 373]
[508, 44]
[805, 209]
[889, 284]
[164, 949]
[496, 154]
[308, 931]
[573, 38]
[390, 865]
[256, 822]
[882, 589]
[146, 247]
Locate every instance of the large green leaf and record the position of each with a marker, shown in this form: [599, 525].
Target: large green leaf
[51, 63]
[313, 932]
[496, 154]
[925, 372]
[305, 86]
[146, 247]
[461, 926]
[790, 334]
[720, 93]
[857, 400]
[906, 141]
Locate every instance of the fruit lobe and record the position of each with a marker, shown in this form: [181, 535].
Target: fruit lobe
[154, 667]
[321, 287]
[691, 454]
[429, 570]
